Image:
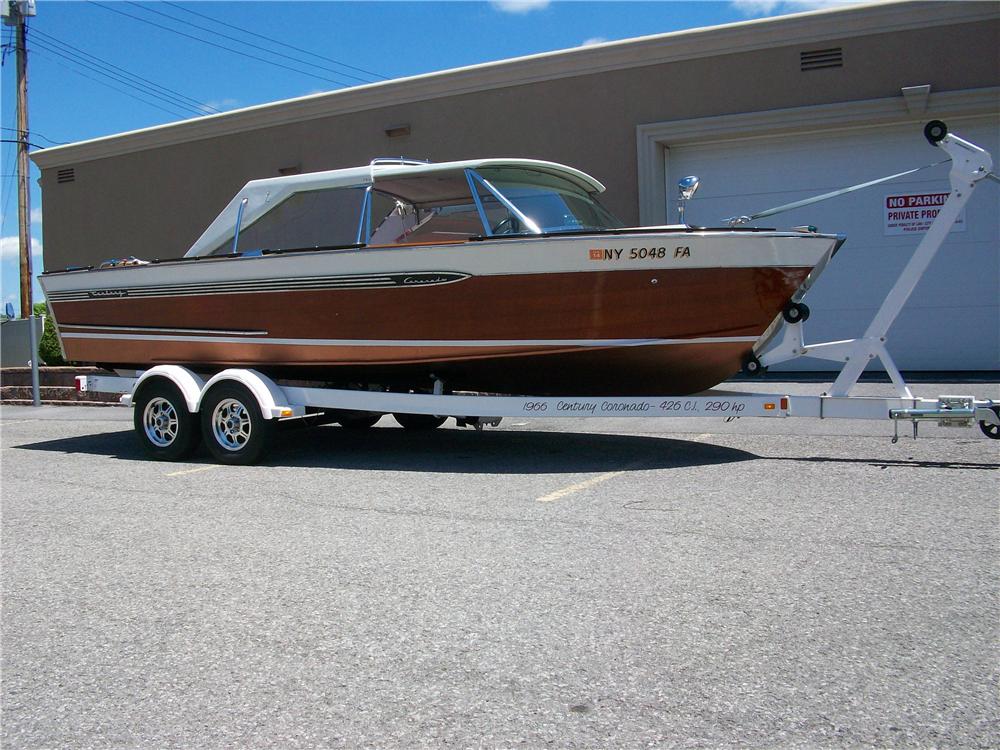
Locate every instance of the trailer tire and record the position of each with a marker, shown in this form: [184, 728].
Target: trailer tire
[233, 425]
[419, 421]
[163, 424]
[991, 431]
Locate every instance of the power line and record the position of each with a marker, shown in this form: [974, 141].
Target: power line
[277, 41]
[9, 186]
[84, 63]
[213, 44]
[25, 142]
[200, 106]
[8, 45]
[185, 109]
[248, 44]
[130, 94]
[44, 138]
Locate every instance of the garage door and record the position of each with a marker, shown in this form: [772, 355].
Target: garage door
[952, 320]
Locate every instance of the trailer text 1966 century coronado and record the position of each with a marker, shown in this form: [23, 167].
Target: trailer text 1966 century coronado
[516, 233]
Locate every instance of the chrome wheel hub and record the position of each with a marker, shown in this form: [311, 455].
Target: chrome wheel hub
[231, 424]
[160, 423]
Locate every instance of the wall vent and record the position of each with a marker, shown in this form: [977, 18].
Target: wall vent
[818, 59]
[66, 175]
[397, 131]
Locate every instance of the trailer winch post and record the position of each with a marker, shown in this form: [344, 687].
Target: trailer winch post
[969, 165]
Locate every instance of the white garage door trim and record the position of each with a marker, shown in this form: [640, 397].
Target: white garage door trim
[654, 138]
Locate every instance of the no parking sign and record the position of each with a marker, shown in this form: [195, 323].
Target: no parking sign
[915, 212]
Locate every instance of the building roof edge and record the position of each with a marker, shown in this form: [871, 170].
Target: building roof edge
[743, 36]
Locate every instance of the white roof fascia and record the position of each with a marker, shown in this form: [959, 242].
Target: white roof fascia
[745, 36]
[266, 194]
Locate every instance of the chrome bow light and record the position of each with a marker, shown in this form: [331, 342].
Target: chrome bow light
[686, 188]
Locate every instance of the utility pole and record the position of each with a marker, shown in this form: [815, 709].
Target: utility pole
[15, 13]
[23, 194]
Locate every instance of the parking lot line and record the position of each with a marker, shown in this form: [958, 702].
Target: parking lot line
[191, 471]
[558, 494]
[587, 483]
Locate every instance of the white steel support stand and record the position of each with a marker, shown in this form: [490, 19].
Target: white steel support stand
[969, 165]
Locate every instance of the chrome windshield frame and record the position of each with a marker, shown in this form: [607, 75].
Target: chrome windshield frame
[475, 178]
[470, 176]
[365, 221]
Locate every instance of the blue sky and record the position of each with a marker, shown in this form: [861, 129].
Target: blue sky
[69, 42]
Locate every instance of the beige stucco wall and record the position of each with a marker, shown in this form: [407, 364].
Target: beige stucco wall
[154, 203]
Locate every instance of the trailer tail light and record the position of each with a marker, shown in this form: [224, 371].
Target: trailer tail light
[784, 403]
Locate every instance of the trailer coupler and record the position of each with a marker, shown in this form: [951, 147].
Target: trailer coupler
[951, 411]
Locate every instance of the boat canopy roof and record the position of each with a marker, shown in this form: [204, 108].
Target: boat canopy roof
[399, 177]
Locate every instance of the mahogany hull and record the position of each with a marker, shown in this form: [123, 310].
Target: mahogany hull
[572, 315]
[490, 332]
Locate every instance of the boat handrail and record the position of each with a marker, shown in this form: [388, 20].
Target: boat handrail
[401, 160]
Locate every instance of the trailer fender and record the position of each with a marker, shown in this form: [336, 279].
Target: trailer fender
[271, 399]
[189, 384]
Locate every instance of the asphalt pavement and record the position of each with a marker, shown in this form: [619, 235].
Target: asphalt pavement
[552, 583]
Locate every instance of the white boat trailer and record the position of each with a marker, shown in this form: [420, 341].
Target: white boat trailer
[238, 408]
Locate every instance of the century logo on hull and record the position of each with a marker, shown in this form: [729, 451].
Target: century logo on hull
[106, 293]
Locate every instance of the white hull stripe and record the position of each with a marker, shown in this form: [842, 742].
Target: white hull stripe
[394, 343]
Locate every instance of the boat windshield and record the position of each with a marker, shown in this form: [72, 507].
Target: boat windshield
[507, 200]
[553, 203]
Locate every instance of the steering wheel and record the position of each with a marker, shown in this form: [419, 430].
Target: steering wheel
[508, 225]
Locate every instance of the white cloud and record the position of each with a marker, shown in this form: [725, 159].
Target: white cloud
[36, 215]
[757, 8]
[519, 6]
[10, 250]
[592, 41]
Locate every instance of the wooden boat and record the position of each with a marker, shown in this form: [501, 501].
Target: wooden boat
[498, 275]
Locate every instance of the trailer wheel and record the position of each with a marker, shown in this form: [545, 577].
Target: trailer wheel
[233, 426]
[991, 430]
[163, 424]
[359, 421]
[419, 421]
